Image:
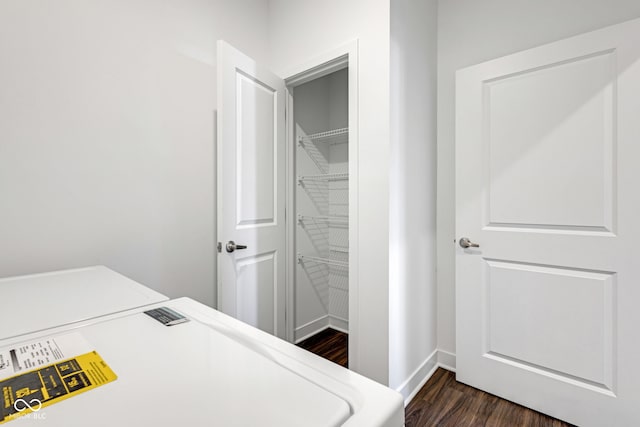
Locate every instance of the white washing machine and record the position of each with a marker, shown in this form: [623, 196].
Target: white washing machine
[39, 301]
[187, 365]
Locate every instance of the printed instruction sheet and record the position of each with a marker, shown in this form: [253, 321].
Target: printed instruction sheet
[39, 373]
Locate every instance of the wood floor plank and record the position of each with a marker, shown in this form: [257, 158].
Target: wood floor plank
[442, 401]
[330, 344]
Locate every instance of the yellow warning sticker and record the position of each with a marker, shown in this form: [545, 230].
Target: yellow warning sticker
[31, 391]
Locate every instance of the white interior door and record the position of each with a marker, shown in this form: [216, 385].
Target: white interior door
[251, 192]
[547, 153]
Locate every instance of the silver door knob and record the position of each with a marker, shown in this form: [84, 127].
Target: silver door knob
[231, 246]
[466, 243]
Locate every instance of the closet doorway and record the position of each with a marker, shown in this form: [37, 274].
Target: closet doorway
[322, 149]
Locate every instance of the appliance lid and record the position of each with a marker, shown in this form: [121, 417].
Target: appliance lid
[40, 301]
[192, 373]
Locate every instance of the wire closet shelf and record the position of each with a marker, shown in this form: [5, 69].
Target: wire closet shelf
[334, 136]
[323, 177]
[303, 258]
[331, 219]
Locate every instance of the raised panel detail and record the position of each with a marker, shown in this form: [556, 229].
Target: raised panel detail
[256, 287]
[549, 138]
[557, 320]
[256, 153]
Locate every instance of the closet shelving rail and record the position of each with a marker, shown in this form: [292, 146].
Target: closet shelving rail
[334, 136]
[323, 177]
[303, 258]
[330, 219]
[331, 137]
[339, 249]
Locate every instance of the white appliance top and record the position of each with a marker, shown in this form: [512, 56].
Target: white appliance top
[211, 371]
[39, 301]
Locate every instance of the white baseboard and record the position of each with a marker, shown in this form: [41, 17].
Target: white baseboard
[320, 324]
[419, 377]
[339, 324]
[310, 329]
[447, 360]
[412, 385]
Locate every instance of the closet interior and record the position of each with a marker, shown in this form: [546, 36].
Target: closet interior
[322, 205]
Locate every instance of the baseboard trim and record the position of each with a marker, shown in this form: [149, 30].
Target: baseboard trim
[419, 377]
[310, 329]
[339, 324]
[412, 385]
[447, 360]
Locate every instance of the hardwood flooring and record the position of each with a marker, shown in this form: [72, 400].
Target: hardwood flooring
[330, 344]
[442, 402]
[445, 402]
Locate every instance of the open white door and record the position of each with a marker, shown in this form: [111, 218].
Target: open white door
[547, 153]
[251, 192]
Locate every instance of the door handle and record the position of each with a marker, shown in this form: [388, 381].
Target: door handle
[466, 243]
[231, 246]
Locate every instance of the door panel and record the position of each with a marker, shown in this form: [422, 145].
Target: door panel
[257, 147]
[257, 278]
[546, 146]
[529, 321]
[547, 118]
[251, 191]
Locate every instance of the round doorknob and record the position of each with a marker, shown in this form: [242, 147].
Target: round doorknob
[232, 246]
[466, 243]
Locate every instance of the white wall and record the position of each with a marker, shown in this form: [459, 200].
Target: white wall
[339, 201]
[107, 135]
[471, 32]
[412, 293]
[339, 95]
[299, 31]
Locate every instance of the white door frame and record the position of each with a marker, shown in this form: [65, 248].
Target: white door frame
[339, 58]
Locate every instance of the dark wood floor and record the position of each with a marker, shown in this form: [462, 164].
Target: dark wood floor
[443, 401]
[330, 344]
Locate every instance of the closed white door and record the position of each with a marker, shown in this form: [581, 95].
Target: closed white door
[547, 154]
[251, 192]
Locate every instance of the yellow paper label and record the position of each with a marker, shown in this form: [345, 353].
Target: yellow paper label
[31, 391]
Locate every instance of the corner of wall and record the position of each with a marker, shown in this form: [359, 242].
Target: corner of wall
[412, 275]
